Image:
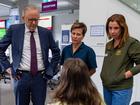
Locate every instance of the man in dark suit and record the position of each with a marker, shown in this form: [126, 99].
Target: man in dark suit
[0, 72]
[30, 67]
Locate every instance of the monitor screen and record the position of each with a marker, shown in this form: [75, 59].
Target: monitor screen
[46, 21]
[12, 20]
[2, 23]
[7, 23]
[2, 32]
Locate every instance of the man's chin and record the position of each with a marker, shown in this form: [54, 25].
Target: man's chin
[32, 29]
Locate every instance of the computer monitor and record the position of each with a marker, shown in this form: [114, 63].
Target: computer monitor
[46, 21]
[2, 23]
[7, 23]
[2, 32]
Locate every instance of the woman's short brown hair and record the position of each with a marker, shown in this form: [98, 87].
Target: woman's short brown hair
[79, 25]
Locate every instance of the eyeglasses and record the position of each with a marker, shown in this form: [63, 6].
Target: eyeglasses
[33, 19]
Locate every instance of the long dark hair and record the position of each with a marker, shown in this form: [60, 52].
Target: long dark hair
[75, 86]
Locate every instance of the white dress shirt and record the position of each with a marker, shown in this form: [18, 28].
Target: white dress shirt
[26, 54]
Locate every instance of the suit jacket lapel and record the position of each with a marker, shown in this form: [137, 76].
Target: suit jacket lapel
[21, 37]
[41, 37]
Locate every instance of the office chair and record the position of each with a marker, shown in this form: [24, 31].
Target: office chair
[52, 83]
[3, 75]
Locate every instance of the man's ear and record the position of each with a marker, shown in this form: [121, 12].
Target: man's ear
[23, 18]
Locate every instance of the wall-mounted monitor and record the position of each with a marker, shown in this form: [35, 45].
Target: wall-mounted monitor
[2, 23]
[12, 20]
[46, 21]
[2, 32]
[7, 23]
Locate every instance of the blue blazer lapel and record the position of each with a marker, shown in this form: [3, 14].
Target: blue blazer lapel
[21, 37]
[42, 37]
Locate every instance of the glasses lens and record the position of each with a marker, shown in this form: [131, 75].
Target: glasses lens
[33, 19]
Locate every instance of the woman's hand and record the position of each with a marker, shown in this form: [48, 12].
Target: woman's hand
[128, 74]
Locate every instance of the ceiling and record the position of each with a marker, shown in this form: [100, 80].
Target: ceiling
[61, 4]
[4, 10]
[6, 5]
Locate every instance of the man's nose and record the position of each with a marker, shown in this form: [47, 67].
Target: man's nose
[33, 22]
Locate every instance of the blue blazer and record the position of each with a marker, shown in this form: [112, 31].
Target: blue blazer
[15, 38]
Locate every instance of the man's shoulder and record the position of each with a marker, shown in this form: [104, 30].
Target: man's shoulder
[43, 29]
[17, 26]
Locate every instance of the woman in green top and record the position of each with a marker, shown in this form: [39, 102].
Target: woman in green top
[122, 52]
[76, 87]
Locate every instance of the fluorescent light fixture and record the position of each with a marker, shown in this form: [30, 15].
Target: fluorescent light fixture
[5, 5]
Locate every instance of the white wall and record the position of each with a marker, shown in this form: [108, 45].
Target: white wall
[96, 12]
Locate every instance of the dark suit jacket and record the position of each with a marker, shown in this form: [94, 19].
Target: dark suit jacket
[0, 69]
[15, 37]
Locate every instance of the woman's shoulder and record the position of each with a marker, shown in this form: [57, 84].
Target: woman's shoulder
[55, 103]
[67, 47]
[86, 47]
[133, 42]
[132, 39]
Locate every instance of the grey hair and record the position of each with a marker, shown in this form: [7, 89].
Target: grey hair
[29, 7]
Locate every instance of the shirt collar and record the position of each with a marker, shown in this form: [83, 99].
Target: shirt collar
[27, 30]
[81, 46]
